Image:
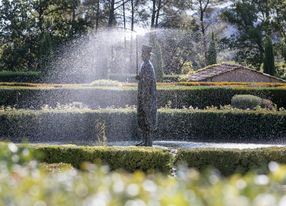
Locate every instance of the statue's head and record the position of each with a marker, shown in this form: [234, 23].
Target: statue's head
[146, 52]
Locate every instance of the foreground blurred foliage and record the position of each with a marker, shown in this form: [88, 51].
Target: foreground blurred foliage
[23, 183]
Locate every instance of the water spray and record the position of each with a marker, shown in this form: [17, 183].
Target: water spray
[137, 60]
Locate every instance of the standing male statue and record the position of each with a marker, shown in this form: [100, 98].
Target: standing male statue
[147, 101]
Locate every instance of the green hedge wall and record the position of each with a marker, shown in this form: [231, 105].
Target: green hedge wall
[29, 76]
[121, 125]
[229, 161]
[179, 96]
[127, 158]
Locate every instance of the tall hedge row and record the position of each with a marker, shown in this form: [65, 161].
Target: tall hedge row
[29, 76]
[175, 96]
[121, 125]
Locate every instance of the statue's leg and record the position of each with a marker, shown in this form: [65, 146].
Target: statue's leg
[142, 142]
[146, 140]
[149, 139]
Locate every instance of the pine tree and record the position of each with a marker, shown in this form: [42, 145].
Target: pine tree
[212, 54]
[268, 65]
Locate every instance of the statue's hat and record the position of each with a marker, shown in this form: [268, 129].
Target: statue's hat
[146, 48]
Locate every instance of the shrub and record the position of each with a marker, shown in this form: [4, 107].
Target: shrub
[250, 102]
[79, 125]
[29, 76]
[227, 161]
[268, 104]
[106, 83]
[129, 159]
[93, 97]
[246, 101]
[230, 161]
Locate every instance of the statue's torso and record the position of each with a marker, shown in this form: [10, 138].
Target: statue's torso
[147, 100]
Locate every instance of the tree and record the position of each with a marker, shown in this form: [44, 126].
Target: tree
[250, 29]
[203, 5]
[212, 54]
[16, 34]
[278, 15]
[267, 18]
[157, 7]
[268, 65]
[29, 30]
[95, 12]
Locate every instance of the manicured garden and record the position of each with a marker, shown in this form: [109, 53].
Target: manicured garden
[104, 112]
[142, 103]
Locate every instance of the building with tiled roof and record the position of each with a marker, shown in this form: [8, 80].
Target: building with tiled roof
[231, 73]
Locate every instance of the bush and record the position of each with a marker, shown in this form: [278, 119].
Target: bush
[106, 83]
[227, 161]
[230, 161]
[171, 77]
[79, 125]
[250, 102]
[94, 97]
[29, 76]
[126, 158]
[30, 185]
[246, 101]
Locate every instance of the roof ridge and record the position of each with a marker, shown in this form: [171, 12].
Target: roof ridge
[218, 69]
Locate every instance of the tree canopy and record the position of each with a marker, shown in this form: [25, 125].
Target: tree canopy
[32, 30]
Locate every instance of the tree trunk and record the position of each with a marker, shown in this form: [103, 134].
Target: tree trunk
[158, 13]
[132, 15]
[111, 13]
[74, 4]
[202, 11]
[41, 19]
[97, 15]
[124, 18]
[153, 14]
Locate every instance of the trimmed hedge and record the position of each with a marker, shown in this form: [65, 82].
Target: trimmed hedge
[127, 158]
[61, 186]
[29, 76]
[93, 97]
[79, 125]
[229, 161]
[246, 101]
[244, 84]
